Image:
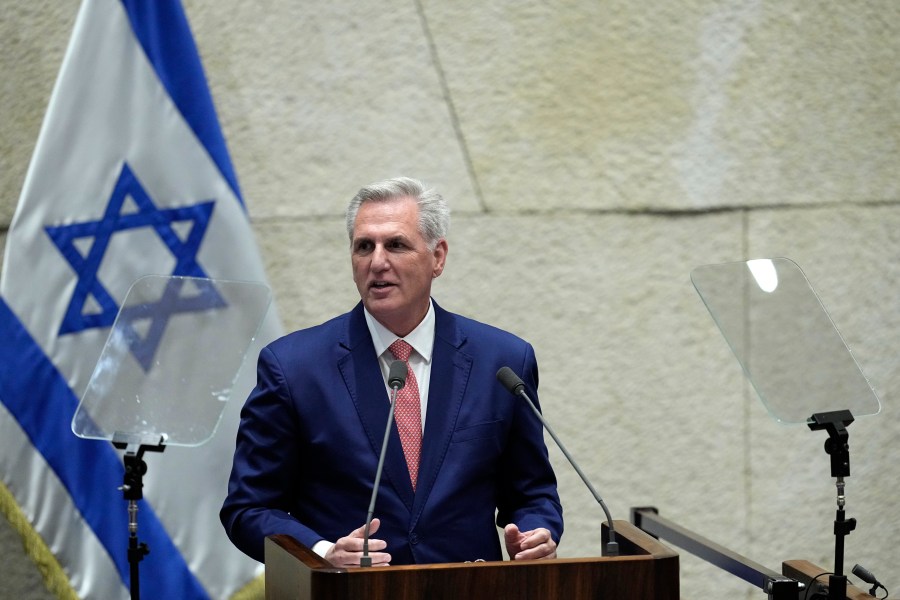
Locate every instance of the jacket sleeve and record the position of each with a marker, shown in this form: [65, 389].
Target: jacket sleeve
[261, 488]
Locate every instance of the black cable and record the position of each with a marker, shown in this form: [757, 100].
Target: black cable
[809, 586]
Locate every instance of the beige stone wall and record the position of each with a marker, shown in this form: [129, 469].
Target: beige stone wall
[595, 152]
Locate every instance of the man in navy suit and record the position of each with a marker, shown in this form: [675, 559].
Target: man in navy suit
[312, 429]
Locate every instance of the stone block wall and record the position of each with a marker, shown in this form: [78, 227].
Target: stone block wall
[594, 154]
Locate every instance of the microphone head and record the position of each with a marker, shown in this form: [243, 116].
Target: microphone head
[510, 381]
[397, 375]
[864, 574]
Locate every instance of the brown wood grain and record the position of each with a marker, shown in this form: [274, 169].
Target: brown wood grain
[645, 570]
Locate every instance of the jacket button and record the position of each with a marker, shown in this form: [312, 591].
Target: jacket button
[413, 538]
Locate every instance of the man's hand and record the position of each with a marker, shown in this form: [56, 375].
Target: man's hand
[347, 551]
[528, 545]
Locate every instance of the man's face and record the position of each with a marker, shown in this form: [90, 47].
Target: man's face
[392, 265]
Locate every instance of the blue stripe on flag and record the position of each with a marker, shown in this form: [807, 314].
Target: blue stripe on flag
[163, 31]
[41, 401]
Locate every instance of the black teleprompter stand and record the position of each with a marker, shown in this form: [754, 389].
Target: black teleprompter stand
[837, 447]
[153, 386]
[133, 490]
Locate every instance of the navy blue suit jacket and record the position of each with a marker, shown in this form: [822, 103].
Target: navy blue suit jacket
[311, 432]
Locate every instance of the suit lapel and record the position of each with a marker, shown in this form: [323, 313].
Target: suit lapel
[365, 384]
[450, 369]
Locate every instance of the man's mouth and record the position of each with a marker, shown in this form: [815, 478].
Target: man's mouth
[380, 284]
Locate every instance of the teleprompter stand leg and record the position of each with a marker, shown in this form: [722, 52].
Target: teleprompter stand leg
[133, 490]
[837, 447]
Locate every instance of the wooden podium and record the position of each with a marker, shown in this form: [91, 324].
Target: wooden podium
[645, 570]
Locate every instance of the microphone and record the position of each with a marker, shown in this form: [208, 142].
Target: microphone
[867, 576]
[516, 387]
[396, 381]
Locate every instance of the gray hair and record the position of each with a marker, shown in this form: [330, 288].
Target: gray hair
[434, 213]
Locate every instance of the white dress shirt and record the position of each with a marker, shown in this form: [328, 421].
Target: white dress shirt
[422, 341]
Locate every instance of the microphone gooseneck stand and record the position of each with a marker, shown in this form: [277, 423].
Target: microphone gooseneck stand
[132, 490]
[516, 387]
[837, 447]
[396, 381]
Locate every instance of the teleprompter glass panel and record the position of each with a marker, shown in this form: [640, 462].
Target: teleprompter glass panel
[171, 360]
[784, 339]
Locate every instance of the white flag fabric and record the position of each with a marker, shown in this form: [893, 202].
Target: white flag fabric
[130, 177]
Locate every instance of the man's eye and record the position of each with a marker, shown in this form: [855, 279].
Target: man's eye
[396, 245]
[363, 247]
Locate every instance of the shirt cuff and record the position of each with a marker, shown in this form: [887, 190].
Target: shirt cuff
[322, 547]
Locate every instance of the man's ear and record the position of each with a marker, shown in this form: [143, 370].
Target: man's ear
[440, 258]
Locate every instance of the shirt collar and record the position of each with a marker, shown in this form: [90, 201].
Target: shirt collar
[421, 338]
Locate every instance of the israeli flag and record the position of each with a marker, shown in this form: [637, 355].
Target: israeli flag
[130, 177]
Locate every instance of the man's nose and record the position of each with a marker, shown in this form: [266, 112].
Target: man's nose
[380, 260]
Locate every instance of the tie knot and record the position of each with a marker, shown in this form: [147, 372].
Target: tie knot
[401, 350]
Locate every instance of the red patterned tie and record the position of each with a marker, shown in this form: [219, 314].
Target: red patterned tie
[408, 412]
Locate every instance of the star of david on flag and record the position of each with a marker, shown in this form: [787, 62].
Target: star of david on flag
[114, 221]
[100, 231]
[130, 177]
